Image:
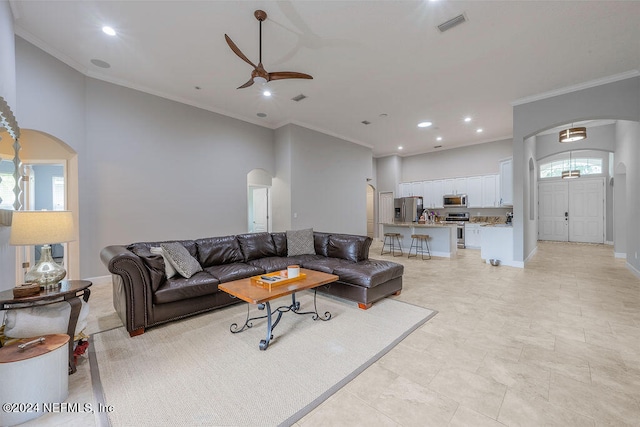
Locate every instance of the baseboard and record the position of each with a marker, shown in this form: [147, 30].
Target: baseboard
[531, 255]
[620, 255]
[634, 270]
[610, 243]
[100, 280]
[516, 264]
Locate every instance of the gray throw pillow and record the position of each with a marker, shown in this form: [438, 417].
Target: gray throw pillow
[300, 242]
[168, 267]
[181, 259]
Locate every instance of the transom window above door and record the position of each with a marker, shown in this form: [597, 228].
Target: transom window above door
[586, 166]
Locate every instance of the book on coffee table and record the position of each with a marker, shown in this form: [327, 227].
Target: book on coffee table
[278, 278]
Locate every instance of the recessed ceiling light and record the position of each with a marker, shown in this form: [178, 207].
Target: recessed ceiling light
[266, 93]
[108, 30]
[400, 147]
[439, 138]
[383, 115]
[479, 130]
[100, 63]
[424, 124]
[467, 119]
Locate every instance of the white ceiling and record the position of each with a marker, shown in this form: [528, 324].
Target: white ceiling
[367, 58]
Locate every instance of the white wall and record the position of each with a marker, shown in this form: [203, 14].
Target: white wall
[328, 182]
[389, 174]
[617, 100]
[480, 159]
[281, 189]
[627, 158]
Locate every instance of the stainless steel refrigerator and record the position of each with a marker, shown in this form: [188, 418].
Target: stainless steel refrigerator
[407, 209]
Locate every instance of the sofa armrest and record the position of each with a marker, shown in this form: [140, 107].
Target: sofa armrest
[132, 296]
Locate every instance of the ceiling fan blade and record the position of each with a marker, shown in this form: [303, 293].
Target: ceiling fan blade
[247, 84]
[280, 75]
[238, 52]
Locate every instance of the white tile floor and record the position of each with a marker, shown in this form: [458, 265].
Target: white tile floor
[556, 343]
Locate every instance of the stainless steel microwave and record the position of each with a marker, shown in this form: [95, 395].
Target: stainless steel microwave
[455, 201]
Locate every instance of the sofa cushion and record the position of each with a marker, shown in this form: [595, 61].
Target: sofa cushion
[185, 264]
[321, 242]
[280, 242]
[326, 265]
[179, 288]
[300, 242]
[229, 272]
[276, 263]
[219, 250]
[369, 273]
[256, 245]
[344, 247]
[349, 246]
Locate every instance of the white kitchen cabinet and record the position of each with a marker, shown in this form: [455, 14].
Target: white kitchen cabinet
[472, 238]
[506, 182]
[404, 189]
[474, 192]
[460, 185]
[489, 194]
[449, 186]
[438, 193]
[416, 189]
[427, 194]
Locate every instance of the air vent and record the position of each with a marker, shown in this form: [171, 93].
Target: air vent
[452, 23]
[299, 98]
[365, 122]
[437, 146]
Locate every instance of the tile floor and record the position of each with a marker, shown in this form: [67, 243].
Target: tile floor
[556, 343]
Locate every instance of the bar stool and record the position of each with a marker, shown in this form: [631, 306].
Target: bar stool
[422, 238]
[393, 237]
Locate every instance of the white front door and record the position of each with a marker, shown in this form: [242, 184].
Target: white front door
[586, 210]
[571, 210]
[553, 213]
[259, 211]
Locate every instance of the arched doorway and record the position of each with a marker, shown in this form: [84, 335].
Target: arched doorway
[50, 174]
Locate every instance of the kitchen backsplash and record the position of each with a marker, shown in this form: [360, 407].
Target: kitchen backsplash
[489, 219]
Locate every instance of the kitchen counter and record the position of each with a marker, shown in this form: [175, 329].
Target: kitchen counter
[443, 241]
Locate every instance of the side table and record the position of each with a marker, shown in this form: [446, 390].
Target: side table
[68, 290]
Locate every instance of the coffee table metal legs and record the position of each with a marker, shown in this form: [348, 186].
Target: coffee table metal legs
[271, 325]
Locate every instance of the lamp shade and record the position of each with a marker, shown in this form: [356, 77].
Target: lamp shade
[41, 227]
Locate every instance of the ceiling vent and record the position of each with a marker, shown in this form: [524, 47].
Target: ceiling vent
[299, 98]
[452, 23]
[365, 122]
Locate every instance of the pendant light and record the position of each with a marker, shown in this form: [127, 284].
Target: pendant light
[573, 134]
[570, 173]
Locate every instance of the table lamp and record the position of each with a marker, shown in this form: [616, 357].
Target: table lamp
[42, 228]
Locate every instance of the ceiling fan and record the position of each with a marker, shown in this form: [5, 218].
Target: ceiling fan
[259, 75]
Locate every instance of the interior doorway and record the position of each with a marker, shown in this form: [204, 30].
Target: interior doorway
[385, 210]
[259, 201]
[572, 211]
[370, 216]
[259, 210]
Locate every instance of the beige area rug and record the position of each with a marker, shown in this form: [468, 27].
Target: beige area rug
[196, 372]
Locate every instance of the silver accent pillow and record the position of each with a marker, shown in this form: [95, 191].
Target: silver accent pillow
[168, 267]
[181, 259]
[300, 242]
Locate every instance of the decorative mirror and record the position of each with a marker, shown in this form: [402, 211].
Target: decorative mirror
[10, 169]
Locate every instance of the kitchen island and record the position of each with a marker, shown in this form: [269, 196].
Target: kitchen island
[496, 242]
[443, 241]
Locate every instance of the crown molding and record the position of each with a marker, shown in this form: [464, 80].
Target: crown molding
[575, 88]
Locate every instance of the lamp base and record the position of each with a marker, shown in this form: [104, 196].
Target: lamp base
[47, 273]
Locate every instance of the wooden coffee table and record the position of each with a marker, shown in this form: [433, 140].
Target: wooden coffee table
[248, 291]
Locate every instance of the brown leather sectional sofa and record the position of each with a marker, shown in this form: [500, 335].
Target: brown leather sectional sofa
[144, 297]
